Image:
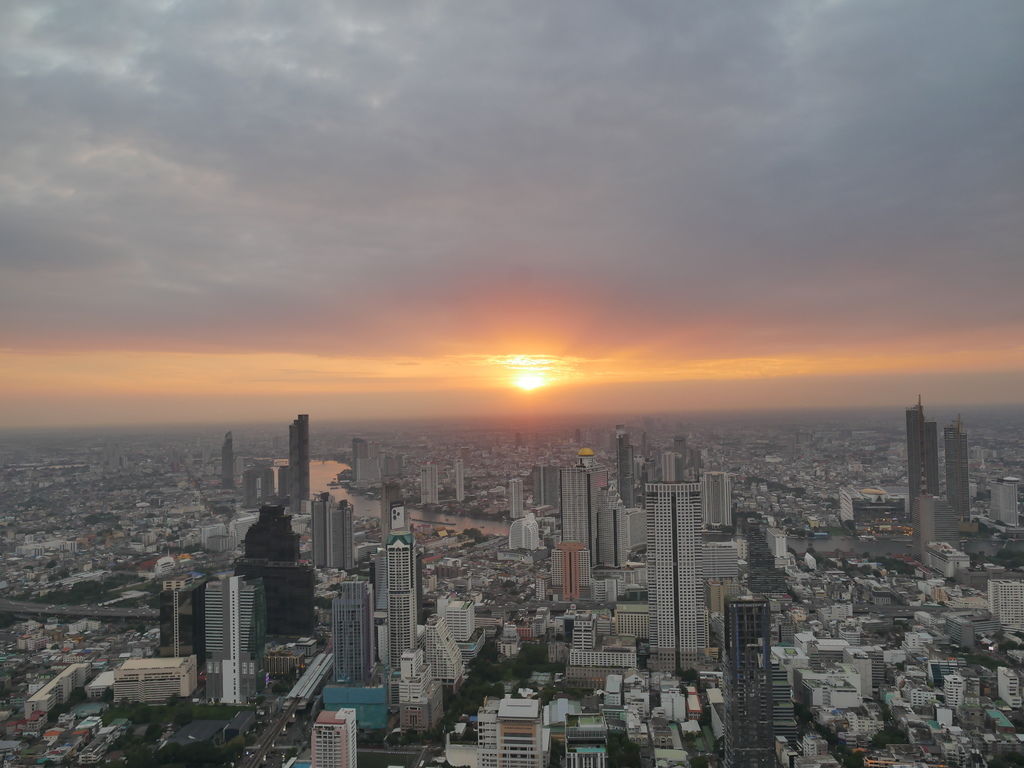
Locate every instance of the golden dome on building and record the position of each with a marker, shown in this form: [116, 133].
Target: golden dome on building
[585, 452]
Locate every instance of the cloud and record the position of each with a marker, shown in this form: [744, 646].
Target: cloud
[688, 180]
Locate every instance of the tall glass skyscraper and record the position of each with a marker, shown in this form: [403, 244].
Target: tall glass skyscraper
[922, 455]
[298, 462]
[584, 498]
[352, 632]
[957, 481]
[747, 685]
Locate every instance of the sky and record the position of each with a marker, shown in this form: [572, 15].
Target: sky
[245, 210]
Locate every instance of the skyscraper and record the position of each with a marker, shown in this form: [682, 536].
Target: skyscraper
[545, 483]
[227, 462]
[298, 462]
[183, 619]
[332, 533]
[613, 540]
[763, 578]
[257, 485]
[352, 632]
[922, 455]
[272, 554]
[333, 741]
[584, 496]
[677, 609]
[716, 490]
[428, 484]
[515, 498]
[933, 520]
[402, 593]
[390, 497]
[624, 466]
[235, 618]
[460, 480]
[1004, 501]
[442, 653]
[524, 533]
[570, 570]
[747, 685]
[958, 489]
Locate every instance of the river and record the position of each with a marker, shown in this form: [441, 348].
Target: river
[323, 472]
[883, 547]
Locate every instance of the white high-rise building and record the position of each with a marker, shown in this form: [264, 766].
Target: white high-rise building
[333, 742]
[428, 484]
[636, 527]
[240, 526]
[460, 480]
[510, 734]
[668, 465]
[524, 533]
[460, 615]
[419, 693]
[675, 579]
[332, 533]
[236, 623]
[1004, 501]
[515, 498]
[402, 598]
[584, 496]
[442, 652]
[776, 541]
[1008, 685]
[721, 560]
[716, 490]
[1006, 603]
[954, 686]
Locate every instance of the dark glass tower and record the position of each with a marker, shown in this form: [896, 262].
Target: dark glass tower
[227, 462]
[922, 455]
[182, 621]
[352, 633]
[957, 481]
[298, 462]
[624, 466]
[272, 554]
[763, 578]
[747, 685]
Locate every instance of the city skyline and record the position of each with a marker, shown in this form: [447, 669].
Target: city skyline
[769, 216]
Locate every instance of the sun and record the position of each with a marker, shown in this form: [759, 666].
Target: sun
[529, 381]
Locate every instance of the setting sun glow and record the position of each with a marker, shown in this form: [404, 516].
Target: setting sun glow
[530, 381]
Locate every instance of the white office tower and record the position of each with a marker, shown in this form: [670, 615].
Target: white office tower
[524, 533]
[515, 498]
[442, 652]
[510, 734]
[460, 615]
[675, 580]
[1008, 686]
[401, 560]
[333, 742]
[1004, 501]
[1006, 603]
[428, 484]
[584, 496]
[419, 694]
[236, 624]
[716, 490]
[721, 560]
[332, 533]
[460, 480]
[954, 687]
[776, 541]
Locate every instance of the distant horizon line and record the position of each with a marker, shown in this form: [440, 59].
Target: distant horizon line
[553, 420]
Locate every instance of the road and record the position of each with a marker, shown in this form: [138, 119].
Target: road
[270, 735]
[88, 611]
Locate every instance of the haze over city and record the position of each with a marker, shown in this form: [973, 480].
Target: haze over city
[365, 209]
